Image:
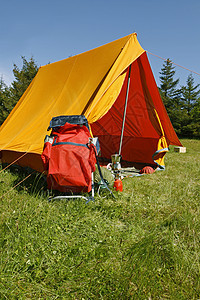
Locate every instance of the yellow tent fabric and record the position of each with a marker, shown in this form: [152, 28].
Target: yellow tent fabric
[87, 84]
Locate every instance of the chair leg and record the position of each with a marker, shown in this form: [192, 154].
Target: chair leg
[92, 185]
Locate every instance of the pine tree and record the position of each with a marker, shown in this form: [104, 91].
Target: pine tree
[4, 101]
[23, 78]
[190, 94]
[196, 119]
[190, 107]
[168, 84]
[170, 95]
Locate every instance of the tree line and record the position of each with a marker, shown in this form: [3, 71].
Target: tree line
[182, 103]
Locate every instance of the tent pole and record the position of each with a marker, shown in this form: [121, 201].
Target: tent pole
[125, 107]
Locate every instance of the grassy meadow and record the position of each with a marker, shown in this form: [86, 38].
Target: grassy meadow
[142, 245]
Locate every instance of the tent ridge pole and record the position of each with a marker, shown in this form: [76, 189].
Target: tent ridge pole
[125, 108]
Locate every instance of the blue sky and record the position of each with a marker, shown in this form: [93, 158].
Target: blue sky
[53, 30]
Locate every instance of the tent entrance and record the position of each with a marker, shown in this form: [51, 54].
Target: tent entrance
[141, 131]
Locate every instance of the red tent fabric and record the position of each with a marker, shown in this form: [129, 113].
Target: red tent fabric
[143, 127]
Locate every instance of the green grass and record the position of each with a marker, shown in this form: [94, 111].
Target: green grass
[142, 245]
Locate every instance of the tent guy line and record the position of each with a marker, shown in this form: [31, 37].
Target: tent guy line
[17, 184]
[165, 59]
[12, 163]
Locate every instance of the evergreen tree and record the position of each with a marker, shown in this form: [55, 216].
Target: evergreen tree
[190, 94]
[190, 107]
[4, 101]
[23, 78]
[168, 85]
[196, 118]
[170, 95]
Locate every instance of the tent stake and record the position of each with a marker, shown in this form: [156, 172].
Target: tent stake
[125, 107]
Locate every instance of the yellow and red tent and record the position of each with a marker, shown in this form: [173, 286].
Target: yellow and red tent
[94, 84]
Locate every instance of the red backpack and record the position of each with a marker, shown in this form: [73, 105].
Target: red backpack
[68, 156]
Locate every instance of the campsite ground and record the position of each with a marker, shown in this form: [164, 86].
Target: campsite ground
[142, 245]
